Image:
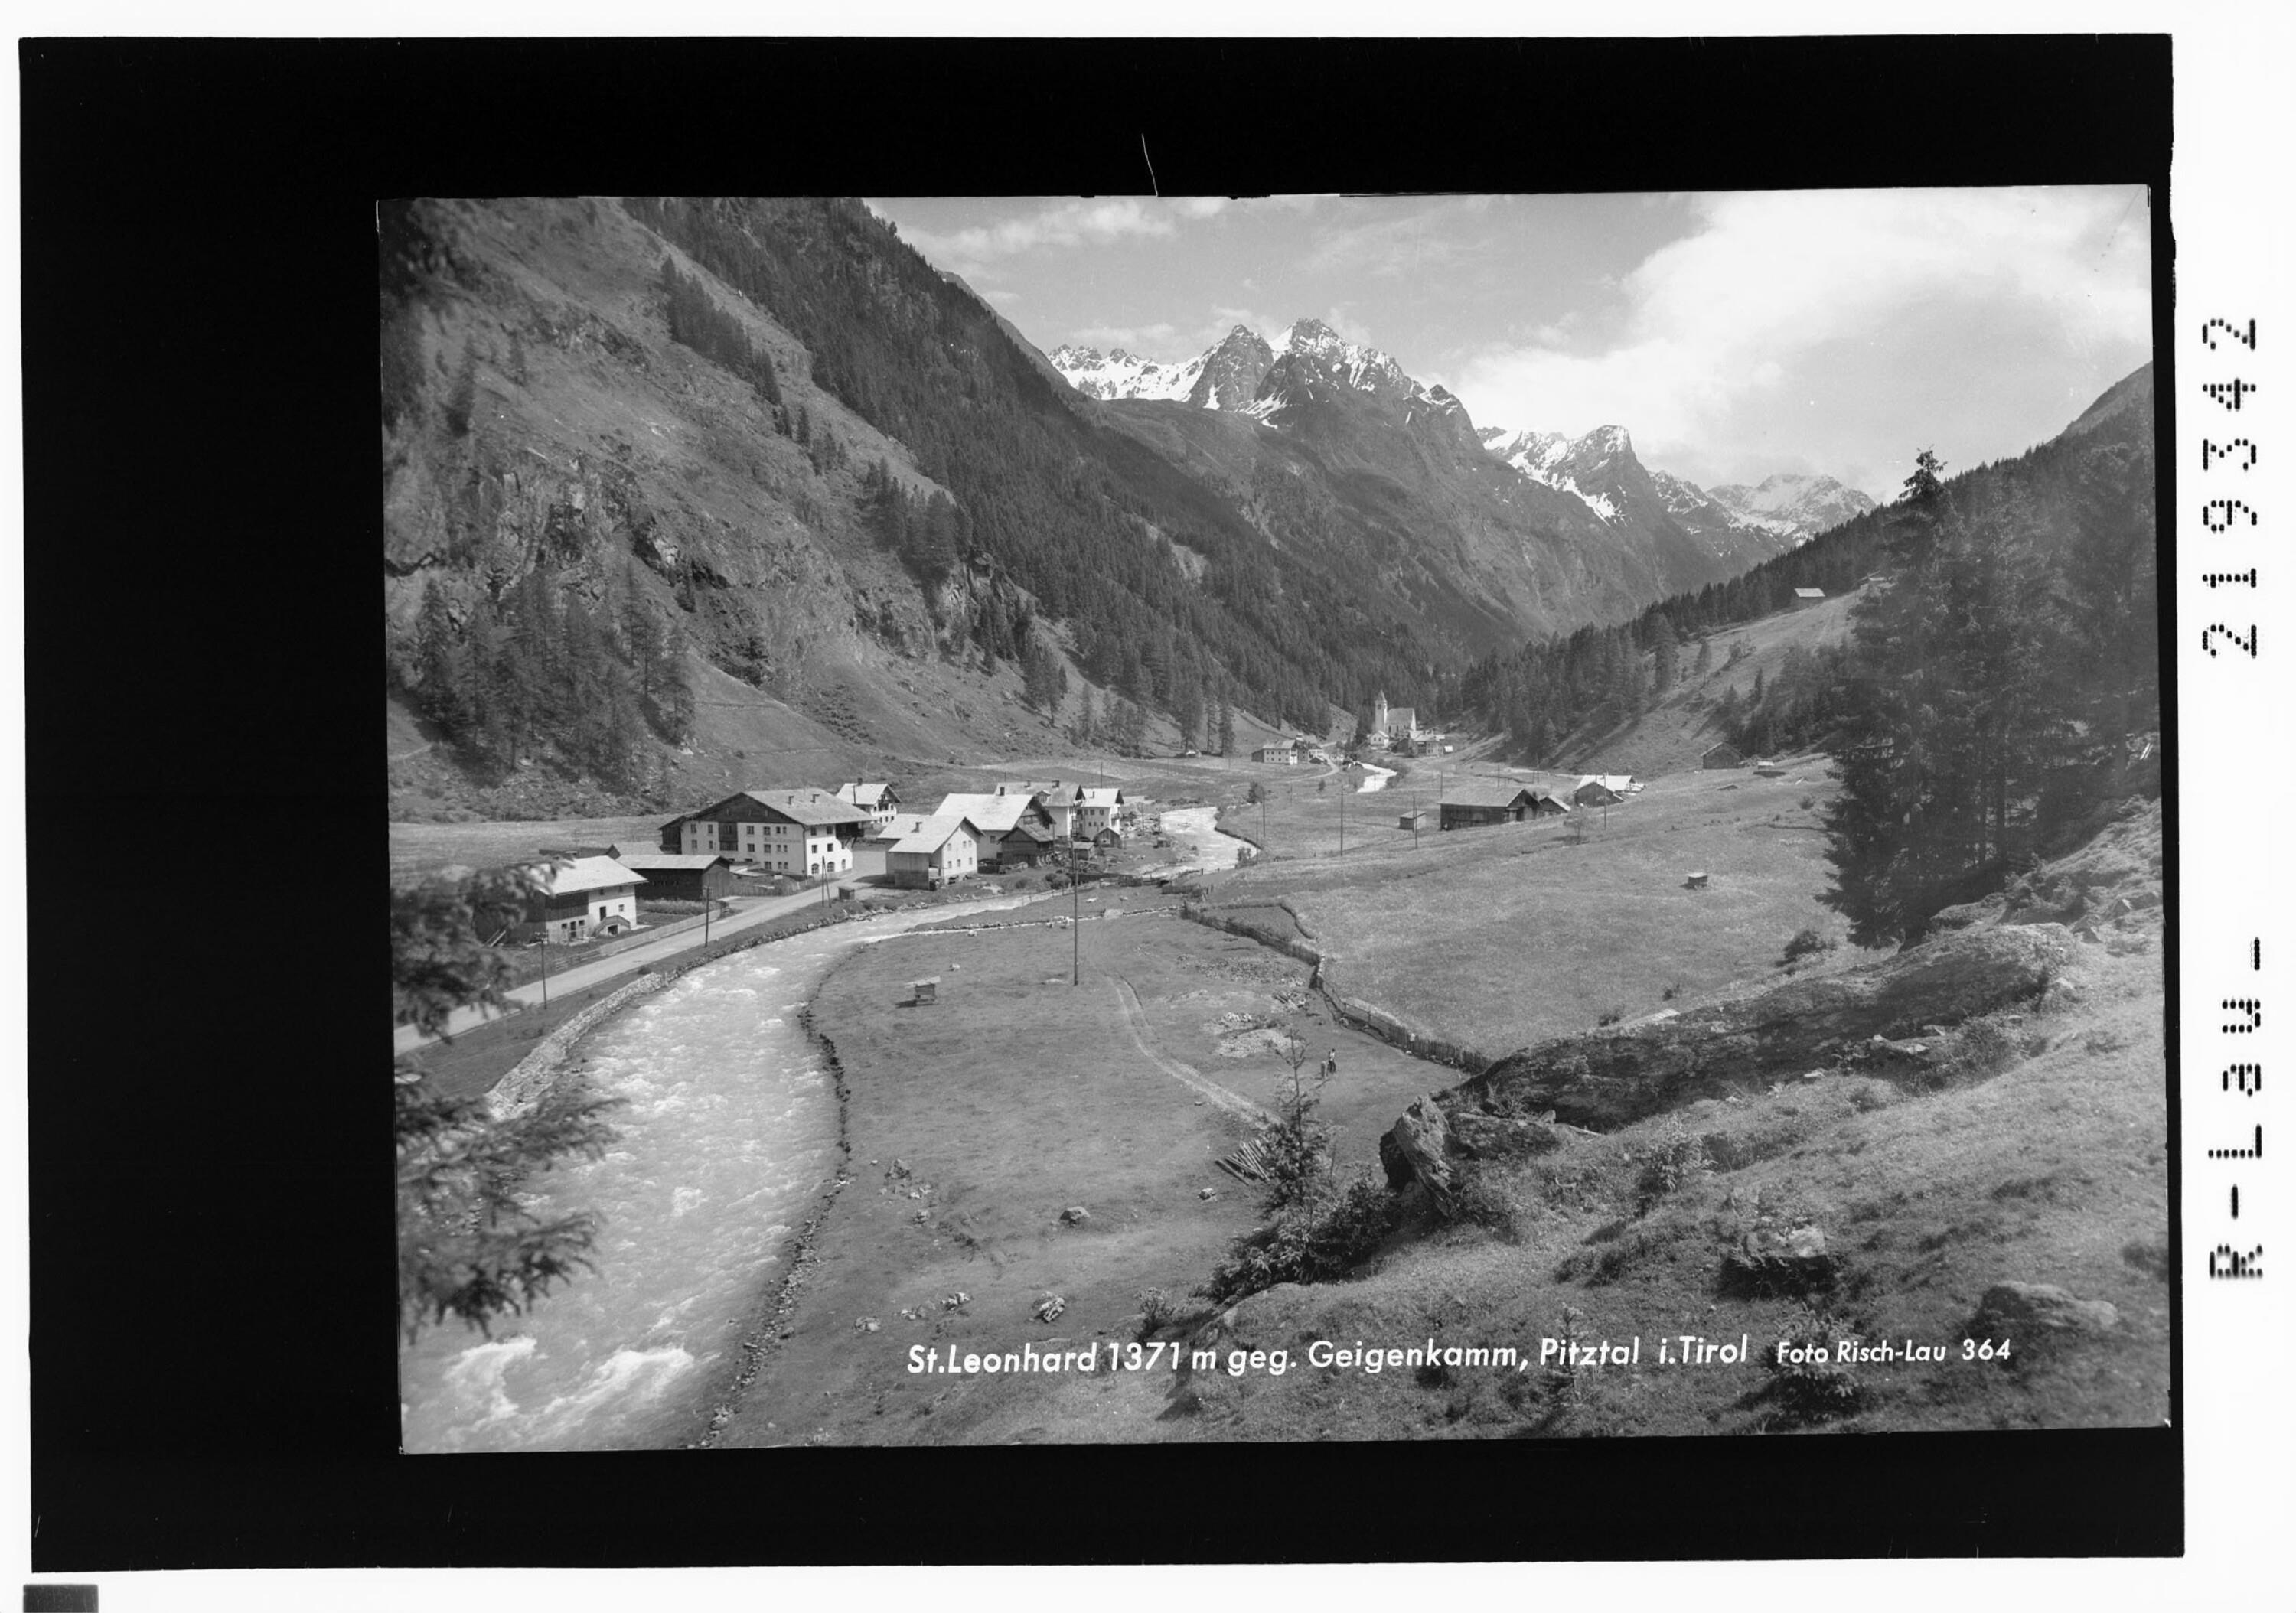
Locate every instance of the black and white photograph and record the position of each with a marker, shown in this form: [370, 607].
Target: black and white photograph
[1126, 819]
[1337, 813]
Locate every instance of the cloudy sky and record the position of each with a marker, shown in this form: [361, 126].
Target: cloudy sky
[1733, 334]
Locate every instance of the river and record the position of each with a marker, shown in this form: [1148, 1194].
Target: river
[728, 1136]
[1207, 846]
[1374, 778]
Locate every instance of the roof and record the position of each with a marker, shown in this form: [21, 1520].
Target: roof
[863, 794]
[590, 874]
[1485, 792]
[810, 807]
[1608, 781]
[1720, 745]
[932, 834]
[669, 862]
[995, 814]
[1055, 790]
[1111, 797]
[900, 824]
[1809, 594]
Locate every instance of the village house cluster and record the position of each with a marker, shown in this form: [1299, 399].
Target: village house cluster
[758, 837]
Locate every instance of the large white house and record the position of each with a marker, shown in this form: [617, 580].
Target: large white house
[794, 831]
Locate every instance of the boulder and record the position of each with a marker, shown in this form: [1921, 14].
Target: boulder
[1076, 1215]
[1049, 1309]
[1608, 1078]
[1774, 1260]
[2039, 1312]
[1413, 1149]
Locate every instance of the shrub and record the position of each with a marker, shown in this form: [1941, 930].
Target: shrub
[1675, 1157]
[1975, 1049]
[1805, 944]
[1476, 1198]
[1811, 1391]
[1610, 1015]
[1158, 1309]
[1311, 1242]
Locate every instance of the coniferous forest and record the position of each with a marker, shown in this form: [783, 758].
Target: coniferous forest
[1058, 505]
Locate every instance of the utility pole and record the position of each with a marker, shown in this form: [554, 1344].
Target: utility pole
[545, 958]
[1076, 922]
[1415, 820]
[1343, 812]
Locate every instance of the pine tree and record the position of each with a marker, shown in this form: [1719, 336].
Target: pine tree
[1226, 729]
[1663, 654]
[1927, 481]
[1705, 658]
[468, 1248]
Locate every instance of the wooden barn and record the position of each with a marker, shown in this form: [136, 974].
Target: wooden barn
[1472, 803]
[1416, 819]
[700, 876]
[1723, 754]
[1594, 792]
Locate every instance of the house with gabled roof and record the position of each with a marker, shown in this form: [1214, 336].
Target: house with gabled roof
[588, 897]
[1014, 829]
[1096, 809]
[942, 849]
[1059, 801]
[880, 801]
[804, 833]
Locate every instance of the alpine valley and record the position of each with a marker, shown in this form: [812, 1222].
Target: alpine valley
[673, 488]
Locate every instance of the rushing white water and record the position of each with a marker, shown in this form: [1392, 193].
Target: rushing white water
[1209, 846]
[1374, 778]
[728, 1135]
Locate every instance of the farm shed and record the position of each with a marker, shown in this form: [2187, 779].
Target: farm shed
[1594, 792]
[1723, 754]
[1416, 819]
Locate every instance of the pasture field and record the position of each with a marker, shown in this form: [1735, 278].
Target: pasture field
[1498, 937]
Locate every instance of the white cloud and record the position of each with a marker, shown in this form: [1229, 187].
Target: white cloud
[1064, 225]
[1798, 295]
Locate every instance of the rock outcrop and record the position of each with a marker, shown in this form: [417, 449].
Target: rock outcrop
[1415, 1146]
[1609, 1078]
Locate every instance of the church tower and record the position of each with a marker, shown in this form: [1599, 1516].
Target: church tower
[1379, 714]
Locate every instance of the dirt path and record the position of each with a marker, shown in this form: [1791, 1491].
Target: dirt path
[1187, 1074]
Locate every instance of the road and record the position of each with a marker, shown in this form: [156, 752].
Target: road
[405, 1038]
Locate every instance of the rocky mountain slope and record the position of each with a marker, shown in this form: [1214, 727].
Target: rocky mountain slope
[1802, 505]
[1364, 466]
